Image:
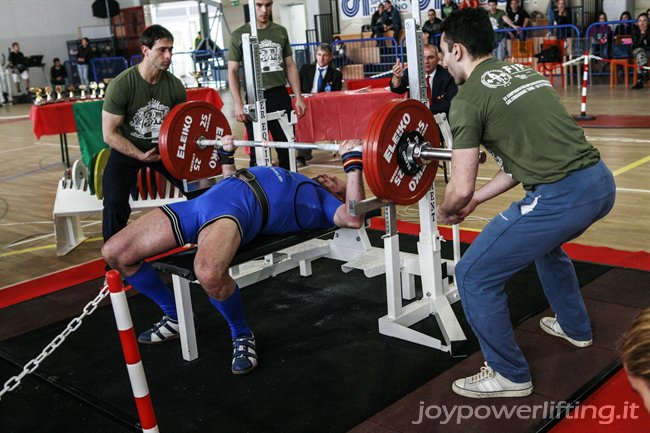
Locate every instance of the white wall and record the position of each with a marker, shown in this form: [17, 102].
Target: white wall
[44, 26]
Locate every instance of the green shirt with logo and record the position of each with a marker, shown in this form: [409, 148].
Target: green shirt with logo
[518, 117]
[143, 105]
[274, 48]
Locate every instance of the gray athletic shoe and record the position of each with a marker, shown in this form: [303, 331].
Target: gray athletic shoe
[551, 326]
[487, 383]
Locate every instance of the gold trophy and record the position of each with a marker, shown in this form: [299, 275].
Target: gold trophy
[82, 88]
[71, 92]
[93, 87]
[101, 86]
[58, 89]
[48, 94]
[197, 75]
[37, 91]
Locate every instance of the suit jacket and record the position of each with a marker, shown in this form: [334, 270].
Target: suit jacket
[443, 89]
[333, 77]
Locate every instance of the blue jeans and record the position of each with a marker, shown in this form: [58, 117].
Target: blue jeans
[532, 230]
[82, 70]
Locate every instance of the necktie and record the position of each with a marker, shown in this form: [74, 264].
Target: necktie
[320, 79]
[429, 88]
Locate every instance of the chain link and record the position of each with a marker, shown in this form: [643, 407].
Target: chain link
[74, 324]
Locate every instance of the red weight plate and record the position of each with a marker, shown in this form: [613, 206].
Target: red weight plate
[151, 183]
[369, 147]
[179, 132]
[161, 183]
[383, 174]
[142, 183]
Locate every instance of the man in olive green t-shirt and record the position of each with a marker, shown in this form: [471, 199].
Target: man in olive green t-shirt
[136, 102]
[517, 116]
[278, 67]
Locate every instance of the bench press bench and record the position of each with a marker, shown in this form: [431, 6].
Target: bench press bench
[265, 256]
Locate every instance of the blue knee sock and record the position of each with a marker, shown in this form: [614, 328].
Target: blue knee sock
[148, 282]
[232, 309]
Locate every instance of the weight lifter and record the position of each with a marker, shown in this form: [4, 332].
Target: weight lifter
[260, 200]
[136, 103]
[517, 116]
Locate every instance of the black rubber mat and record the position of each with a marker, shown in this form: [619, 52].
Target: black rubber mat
[324, 366]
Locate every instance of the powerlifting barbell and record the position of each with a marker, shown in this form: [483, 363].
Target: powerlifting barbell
[400, 143]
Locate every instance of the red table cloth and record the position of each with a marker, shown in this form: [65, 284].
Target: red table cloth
[57, 118]
[340, 115]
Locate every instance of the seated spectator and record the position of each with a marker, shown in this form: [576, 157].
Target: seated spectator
[635, 355]
[339, 50]
[641, 48]
[390, 20]
[448, 6]
[519, 17]
[624, 28]
[321, 76]
[441, 87]
[376, 25]
[58, 75]
[17, 62]
[601, 38]
[464, 4]
[431, 26]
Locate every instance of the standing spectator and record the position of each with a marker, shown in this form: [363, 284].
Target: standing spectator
[464, 4]
[431, 26]
[17, 62]
[136, 102]
[58, 75]
[519, 17]
[321, 76]
[601, 38]
[376, 24]
[499, 19]
[447, 8]
[562, 17]
[641, 48]
[277, 67]
[85, 53]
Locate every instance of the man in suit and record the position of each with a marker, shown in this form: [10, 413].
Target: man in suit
[321, 76]
[440, 87]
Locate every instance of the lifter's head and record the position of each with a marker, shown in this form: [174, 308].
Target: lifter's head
[635, 354]
[333, 184]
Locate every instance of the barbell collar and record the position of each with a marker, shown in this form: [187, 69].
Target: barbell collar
[426, 151]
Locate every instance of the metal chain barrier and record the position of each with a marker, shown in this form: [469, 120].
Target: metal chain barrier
[74, 324]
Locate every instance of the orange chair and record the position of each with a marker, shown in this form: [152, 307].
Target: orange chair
[626, 65]
[549, 67]
[522, 52]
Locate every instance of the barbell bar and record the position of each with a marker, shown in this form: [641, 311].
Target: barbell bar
[399, 145]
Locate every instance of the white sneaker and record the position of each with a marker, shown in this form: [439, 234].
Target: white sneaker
[551, 326]
[488, 383]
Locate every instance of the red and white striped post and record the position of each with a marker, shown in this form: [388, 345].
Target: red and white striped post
[585, 79]
[131, 353]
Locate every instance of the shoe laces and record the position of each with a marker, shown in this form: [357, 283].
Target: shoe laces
[485, 373]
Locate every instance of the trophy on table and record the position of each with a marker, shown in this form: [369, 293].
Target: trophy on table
[37, 91]
[48, 94]
[197, 75]
[82, 88]
[71, 92]
[93, 87]
[58, 89]
[101, 86]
